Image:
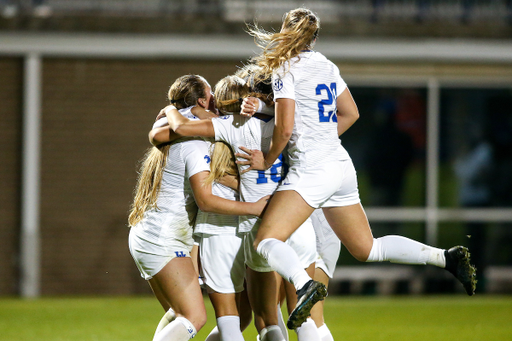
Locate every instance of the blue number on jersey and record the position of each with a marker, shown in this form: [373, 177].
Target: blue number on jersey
[275, 172]
[330, 100]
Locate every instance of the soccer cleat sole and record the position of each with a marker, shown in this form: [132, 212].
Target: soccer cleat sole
[301, 312]
[465, 272]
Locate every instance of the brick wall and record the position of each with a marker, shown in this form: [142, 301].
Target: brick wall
[95, 118]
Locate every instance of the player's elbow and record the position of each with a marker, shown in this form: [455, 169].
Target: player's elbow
[286, 133]
[180, 129]
[205, 206]
[355, 115]
[156, 137]
[206, 203]
[152, 136]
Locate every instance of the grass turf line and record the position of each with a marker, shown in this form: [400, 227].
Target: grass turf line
[397, 318]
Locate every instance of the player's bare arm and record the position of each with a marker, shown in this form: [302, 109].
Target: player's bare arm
[185, 127]
[284, 121]
[207, 202]
[347, 112]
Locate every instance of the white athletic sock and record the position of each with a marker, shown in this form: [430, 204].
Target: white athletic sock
[281, 323]
[398, 249]
[229, 328]
[308, 331]
[325, 333]
[180, 329]
[214, 335]
[168, 317]
[271, 333]
[283, 259]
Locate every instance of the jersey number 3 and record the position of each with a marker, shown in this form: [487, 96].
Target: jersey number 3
[323, 90]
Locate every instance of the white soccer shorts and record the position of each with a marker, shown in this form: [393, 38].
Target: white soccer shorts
[222, 263]
[331, 185]
[328, 245]
[302, 241]
[150, 257]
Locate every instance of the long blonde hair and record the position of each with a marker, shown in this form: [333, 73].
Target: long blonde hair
[298, 32]
[149, 182]
[222, 162]
[254, 78]
[231, 90]
[184, 92]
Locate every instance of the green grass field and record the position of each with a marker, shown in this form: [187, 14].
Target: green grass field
[424, 318]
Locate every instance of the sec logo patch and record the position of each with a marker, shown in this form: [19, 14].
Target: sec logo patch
[278, 84]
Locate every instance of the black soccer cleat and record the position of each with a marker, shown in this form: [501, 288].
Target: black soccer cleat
[458, 263]
[308, 295]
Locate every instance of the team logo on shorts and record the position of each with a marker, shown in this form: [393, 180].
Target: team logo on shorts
[278, 84]
[180, 254]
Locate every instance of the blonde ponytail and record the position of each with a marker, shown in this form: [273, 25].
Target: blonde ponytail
[149, 182]
[222, 162]
[298, 32]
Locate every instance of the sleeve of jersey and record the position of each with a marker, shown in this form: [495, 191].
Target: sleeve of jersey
[341, 85]
[196, 156]
[283, 85]
[222, 126]
[160, 123]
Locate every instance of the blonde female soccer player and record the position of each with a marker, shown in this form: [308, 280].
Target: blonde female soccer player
[328, 246]
[236, 130]
[313, 106]
[170, 187]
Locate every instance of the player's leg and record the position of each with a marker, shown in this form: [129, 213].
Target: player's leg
[168, 317]
[328, 247]
[223, 271]
[351, 226]
[317, 313]
[286, 211]
[227, 315]
[263, 296]
[244, 309]
[176, 286]
[281, 300]
[308, 330]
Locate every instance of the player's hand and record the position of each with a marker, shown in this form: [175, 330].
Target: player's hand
[253, 157]
[261, 205]
[249, 106]
[160, 115]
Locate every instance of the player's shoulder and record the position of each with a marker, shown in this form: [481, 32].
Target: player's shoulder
[187, 112]
[320, 58]
[193, 147]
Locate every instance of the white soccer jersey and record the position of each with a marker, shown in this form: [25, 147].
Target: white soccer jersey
[314, 83]
[176, 206]
[187, 112]
[213, 223]
[177, 209]
[252, 133]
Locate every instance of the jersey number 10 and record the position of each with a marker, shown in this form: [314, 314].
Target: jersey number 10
[322, 90]
[277, 171]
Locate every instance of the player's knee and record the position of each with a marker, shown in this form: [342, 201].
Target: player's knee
[199, 320]
[361, 251]
[360, 254]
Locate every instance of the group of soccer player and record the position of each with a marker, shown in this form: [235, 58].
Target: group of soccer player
[263, 163]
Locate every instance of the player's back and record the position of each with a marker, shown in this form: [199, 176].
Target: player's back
[316, 85]
[252, 133]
